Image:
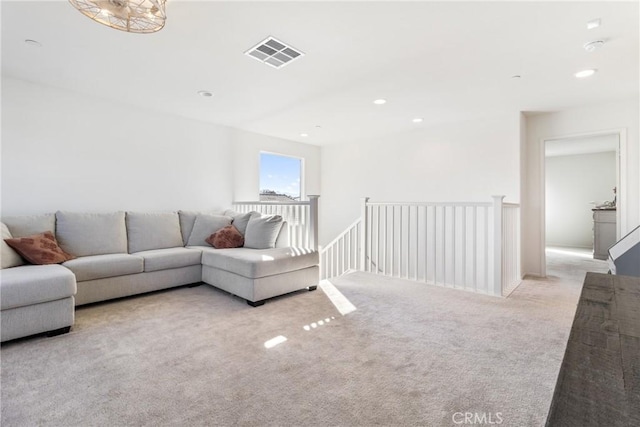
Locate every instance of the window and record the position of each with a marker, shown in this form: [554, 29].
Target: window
[280, 178]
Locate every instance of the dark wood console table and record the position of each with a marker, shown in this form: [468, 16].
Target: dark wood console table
[599, 381]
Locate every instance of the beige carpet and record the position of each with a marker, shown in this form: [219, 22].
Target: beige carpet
[410, 354]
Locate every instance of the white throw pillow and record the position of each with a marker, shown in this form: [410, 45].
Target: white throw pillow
[10, 258]
[262, 231]
[204, 226]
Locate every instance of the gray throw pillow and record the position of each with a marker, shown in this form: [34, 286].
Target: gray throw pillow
[204, 226]
[262, 231]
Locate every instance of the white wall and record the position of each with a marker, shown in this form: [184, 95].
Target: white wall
[467, 161]
[605, 117]
[63, 150]
[572, 182]
[247, 147]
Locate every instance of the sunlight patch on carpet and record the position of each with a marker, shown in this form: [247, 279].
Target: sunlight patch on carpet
[275, 341]
[314, 325]
[341, 302]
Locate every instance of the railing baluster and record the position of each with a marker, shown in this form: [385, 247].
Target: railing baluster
[486, 248]
[454, 224]
[444, 245]
[464, 246]
[384, 243]
[408, 228]
[475, 249]
[426, 241]
[435, 245]
[393, 239]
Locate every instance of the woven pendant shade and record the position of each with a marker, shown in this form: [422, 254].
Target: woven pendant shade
[134, 16]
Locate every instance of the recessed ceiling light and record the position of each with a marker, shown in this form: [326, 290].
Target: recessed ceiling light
[304, 135]
[318, 127]
[594, 23]
[380, 101]
[585, 73]
[34, 43]
[417, 120]
[591, 46]
[205, 93]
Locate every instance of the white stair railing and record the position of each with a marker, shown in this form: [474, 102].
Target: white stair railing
[301, 218]
[473, 246]
[342, 254]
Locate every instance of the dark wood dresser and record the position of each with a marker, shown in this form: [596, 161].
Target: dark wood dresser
[599, 381]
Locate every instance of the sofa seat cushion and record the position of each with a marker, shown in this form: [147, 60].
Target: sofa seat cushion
[35, 284]
[101, 266]
[255, 263]
[164, 259]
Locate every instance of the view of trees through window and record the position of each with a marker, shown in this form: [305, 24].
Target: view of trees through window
[280, 178]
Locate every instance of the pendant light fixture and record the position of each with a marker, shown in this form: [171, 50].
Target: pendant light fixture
[134, 16]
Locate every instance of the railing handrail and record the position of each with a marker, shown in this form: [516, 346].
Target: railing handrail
[302, 203]
[470, 204]
[326, 247]
[510, 205]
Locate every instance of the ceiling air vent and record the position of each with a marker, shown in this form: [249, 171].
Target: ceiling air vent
[273, 52]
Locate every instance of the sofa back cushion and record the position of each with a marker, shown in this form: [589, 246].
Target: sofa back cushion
[188, 219]
[84, 234]
[283, 238]
[240, 220]
[28, 225]
[204, 226]
[10, 258]
[146, 231]
[262, 231]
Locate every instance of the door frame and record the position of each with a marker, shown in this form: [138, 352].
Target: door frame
[621, 185]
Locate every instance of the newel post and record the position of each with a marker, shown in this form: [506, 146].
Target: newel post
[497, 245]
[363, 233]
[313, 221]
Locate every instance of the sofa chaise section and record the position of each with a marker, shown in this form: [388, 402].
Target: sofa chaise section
[259, 274]
[36, 299]
[33, 298]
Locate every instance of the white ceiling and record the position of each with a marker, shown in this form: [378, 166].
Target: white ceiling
[442, 61]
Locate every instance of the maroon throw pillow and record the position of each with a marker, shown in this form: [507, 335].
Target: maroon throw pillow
[225, 238]
[39, 249]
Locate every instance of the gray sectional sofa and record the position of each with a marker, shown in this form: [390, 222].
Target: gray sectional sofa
[120, 254]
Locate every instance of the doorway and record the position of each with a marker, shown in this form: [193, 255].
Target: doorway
[581, 172]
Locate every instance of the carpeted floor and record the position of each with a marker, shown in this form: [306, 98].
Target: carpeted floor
[409, 354]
